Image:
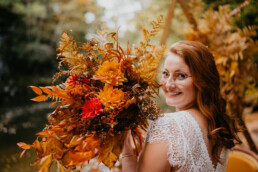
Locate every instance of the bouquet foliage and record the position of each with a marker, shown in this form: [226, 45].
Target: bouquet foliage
[107, 91]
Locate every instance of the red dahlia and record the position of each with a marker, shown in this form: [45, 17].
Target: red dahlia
[92, 108]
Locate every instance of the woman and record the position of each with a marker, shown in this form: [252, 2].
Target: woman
[198, 136]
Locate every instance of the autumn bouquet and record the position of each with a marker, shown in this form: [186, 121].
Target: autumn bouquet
[107, 92]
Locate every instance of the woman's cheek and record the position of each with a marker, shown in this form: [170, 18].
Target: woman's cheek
[163, 85]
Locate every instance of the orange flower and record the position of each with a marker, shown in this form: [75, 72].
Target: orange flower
[111, 73]
[112, 98]
[77, 85]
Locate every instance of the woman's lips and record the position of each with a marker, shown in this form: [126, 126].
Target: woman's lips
[174, 93]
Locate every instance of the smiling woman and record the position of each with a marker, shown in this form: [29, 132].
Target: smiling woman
[177, 83]
[200, 134]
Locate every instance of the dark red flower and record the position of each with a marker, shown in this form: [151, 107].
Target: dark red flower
[92, 108]
[77, 79]
[77, 85]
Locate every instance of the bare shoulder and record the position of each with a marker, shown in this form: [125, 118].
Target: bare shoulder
[154, 157]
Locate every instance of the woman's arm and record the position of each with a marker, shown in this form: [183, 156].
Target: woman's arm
[153, 157]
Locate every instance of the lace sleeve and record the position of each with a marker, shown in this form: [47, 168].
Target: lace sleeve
[167, 129]
[186, 147]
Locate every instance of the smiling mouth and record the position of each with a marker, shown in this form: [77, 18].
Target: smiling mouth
[174, 94]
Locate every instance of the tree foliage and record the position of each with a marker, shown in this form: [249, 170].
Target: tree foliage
[29, 34]
[234, 49]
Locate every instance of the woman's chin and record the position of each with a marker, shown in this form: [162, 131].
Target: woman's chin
[170, 102]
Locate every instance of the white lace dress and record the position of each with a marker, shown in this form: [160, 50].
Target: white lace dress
[186, 146]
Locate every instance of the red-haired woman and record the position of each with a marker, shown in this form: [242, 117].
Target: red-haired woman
[199, 135]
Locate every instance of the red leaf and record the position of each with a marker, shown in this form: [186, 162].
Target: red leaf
[36, 90]
[40, 98]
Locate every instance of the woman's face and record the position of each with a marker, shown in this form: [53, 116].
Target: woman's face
[177, 83]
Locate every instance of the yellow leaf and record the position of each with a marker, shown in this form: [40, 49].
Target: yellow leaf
[36, 90]
[38, 148]
[45, 163]
[111, 151]
[40, 98]
[110, 159]
[60, 167]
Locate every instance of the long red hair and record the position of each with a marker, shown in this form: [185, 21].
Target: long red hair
[221, 128]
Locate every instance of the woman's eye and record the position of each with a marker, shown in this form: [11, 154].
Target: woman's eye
[181, 76]
[164, 74]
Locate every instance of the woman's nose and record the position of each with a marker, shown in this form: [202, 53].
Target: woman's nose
[170, 84]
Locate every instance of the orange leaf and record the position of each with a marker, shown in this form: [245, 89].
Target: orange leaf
[22, 153]
[46, 90]
[74, 141]
[35, 162]
[80, 157]
[24, 145]
[52, 104]
[38, 148]
[40, 98]
[45, 163]
[42, 133]
[36, 90]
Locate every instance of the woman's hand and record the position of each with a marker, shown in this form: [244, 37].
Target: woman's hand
[129, 161]
[127, 149]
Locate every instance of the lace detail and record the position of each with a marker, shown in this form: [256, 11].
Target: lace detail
[186, 147]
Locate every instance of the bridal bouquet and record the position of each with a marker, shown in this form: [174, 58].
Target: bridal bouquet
[107, 92]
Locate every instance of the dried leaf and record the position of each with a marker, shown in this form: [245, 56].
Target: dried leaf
[60, 167]
[78, 158]
[24, 145]
[36, 90]
[22, 153]
[109, 159]
[39, 98]
[35, 162]
[46, 90]
[45, 163]
[42, 133]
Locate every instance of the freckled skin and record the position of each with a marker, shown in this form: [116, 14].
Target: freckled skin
[187, 97]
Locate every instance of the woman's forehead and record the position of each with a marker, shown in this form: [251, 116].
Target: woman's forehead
[175, 63]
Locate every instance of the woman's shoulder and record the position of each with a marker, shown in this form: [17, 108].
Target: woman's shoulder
[175, 117]
[178, 124]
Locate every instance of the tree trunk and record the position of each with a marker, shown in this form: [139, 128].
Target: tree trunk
[188, 14]
[247, 134]
[168, 22]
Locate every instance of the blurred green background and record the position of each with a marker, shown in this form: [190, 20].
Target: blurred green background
[29, 35]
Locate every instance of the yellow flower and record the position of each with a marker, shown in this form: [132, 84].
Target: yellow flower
[111, 73]
[112, 98]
